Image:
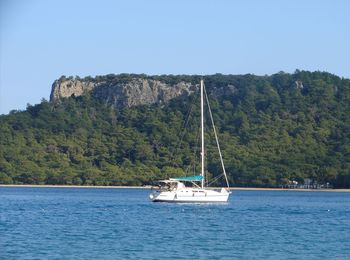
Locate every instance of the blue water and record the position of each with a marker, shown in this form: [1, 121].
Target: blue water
[68, 223]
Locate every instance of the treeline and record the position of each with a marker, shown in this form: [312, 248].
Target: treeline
[272, 129]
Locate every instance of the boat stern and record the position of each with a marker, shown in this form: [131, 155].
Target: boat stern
[153, 196]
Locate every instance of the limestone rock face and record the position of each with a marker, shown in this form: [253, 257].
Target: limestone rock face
[133, 92]
[141, 92]
[70, 87]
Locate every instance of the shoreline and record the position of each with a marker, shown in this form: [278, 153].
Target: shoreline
[149, 187]
[72, 186]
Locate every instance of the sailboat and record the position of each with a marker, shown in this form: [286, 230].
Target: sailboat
[175, 189]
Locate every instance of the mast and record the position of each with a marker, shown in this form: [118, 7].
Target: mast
[202, 133]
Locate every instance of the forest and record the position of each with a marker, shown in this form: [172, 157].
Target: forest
[272, 130]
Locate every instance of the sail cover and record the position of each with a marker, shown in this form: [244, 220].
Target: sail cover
[189, 178]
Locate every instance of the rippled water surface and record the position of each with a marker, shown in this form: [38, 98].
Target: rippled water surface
[71, 223]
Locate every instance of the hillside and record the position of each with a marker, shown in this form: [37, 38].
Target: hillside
[127, 130]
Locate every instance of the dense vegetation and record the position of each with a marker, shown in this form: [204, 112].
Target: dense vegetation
[272, 129]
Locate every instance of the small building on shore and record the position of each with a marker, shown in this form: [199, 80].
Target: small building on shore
[307, 184]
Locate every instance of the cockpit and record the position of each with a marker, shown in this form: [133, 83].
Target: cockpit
[168, 185]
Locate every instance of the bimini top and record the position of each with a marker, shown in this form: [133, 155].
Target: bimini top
[189, 178]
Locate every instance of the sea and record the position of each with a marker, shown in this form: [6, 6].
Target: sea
[99, 223]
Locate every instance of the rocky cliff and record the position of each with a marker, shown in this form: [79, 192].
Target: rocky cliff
[120, 93]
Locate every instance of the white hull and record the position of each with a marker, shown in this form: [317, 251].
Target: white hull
[190, 195]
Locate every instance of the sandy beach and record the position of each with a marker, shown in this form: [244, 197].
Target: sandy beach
[73, 186]
[148, 187]
[279, 189]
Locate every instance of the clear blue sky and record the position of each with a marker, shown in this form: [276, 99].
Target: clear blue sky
[42, 40]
